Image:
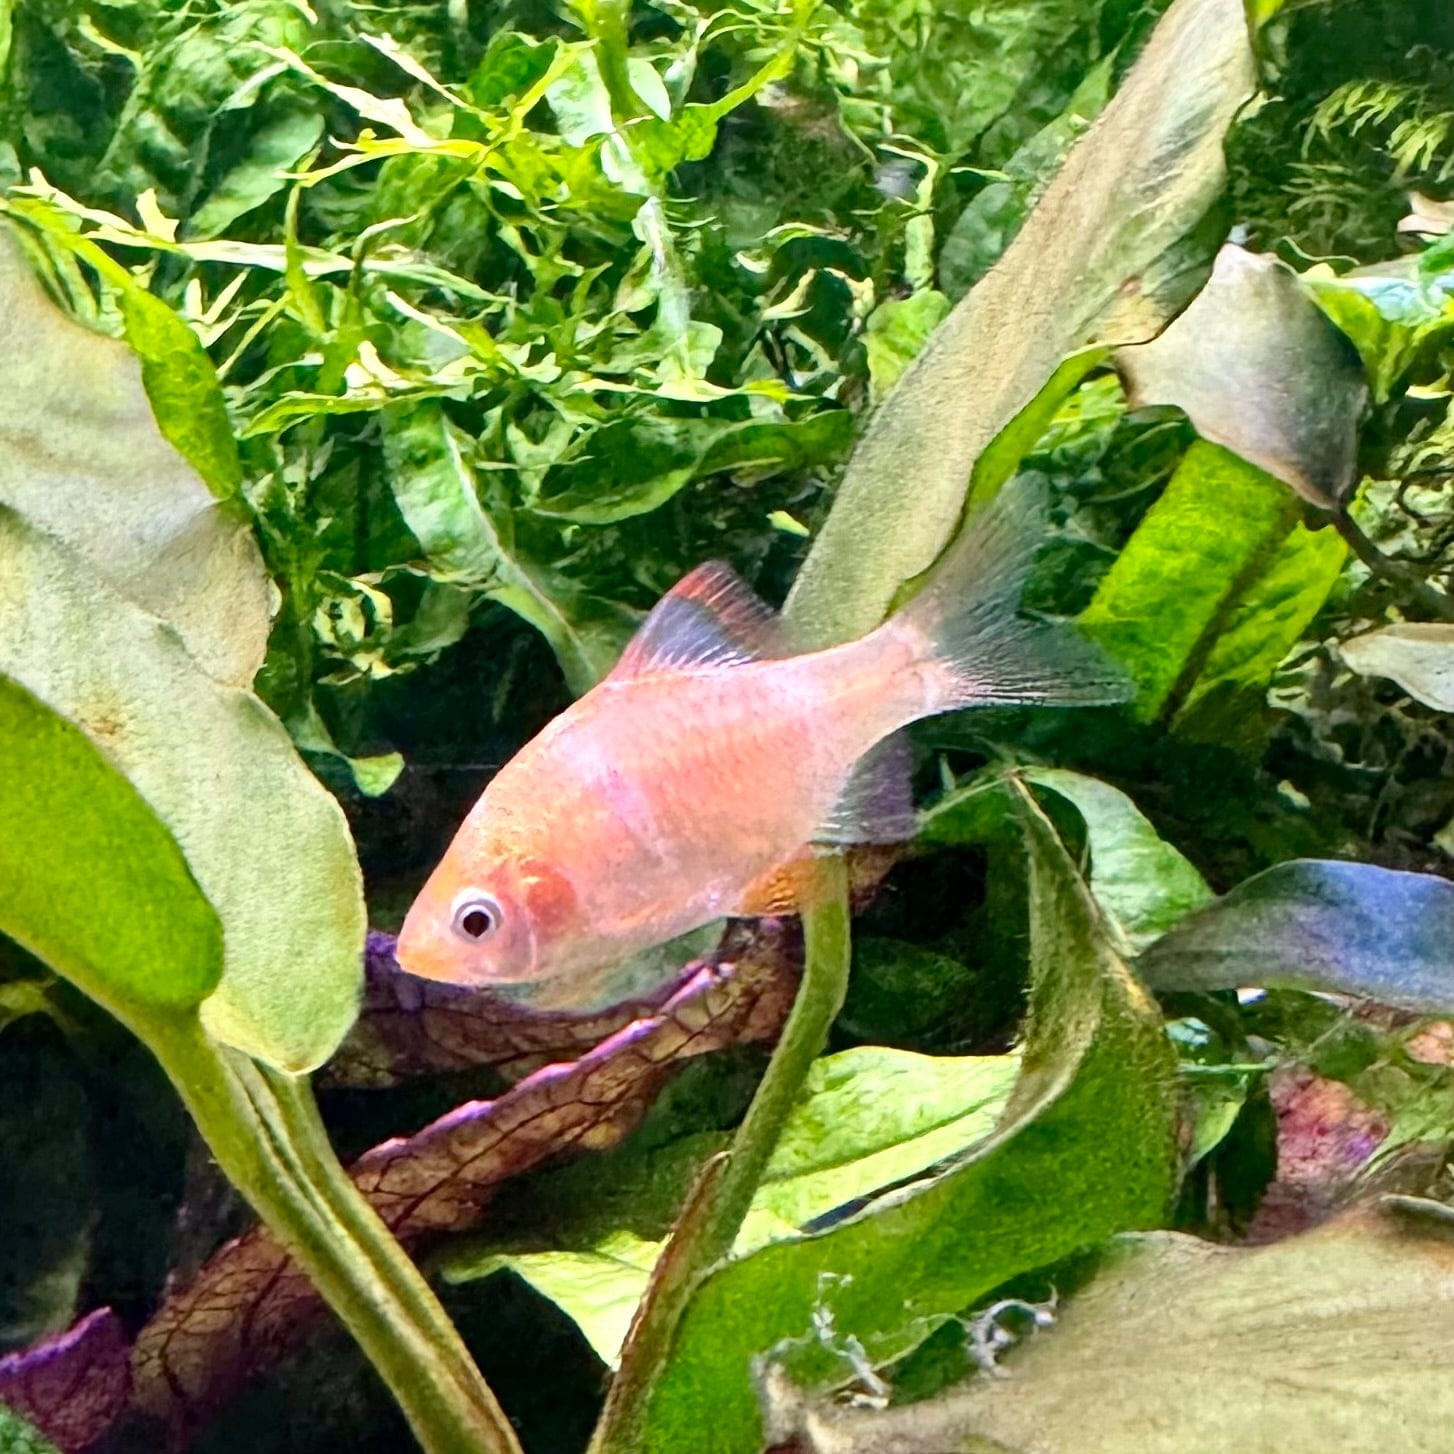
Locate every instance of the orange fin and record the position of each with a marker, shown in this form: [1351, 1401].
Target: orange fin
[711, 617]
[790, 888]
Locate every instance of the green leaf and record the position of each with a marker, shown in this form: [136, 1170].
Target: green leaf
[273, 150]
[1090, 1118]
[895, 335]
[1096, 262]
[1220, 526]
[1258, 369]
[1394, 315]
[95, 885]
[1323, 925]
[1141, 883]
[637, 465]
[436, 492]
[1315, 1344]
[1418, 655]
[866, 1118]
[83, 457]
[19, 1437]
[264, 840]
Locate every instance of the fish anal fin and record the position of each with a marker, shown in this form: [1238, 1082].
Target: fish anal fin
[711, 617]
[877, 803]
[786, 889]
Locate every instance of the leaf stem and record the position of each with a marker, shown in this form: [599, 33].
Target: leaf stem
[265, 1131]
[719, 1201]
[1400, 576]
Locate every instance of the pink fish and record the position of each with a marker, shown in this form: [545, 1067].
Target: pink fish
[693, 783]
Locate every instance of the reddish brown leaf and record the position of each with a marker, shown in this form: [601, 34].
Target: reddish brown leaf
[72, 1387]
[250, 1304]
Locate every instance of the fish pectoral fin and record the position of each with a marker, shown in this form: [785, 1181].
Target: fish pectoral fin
[711, 617]
[793, 887]
[877, 803]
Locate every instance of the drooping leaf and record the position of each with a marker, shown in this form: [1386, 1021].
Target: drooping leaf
[95, 885]
[1180, 586]
[1418, 655]
[1317, 1343]
[1259, 369]
[1143, 885]
[265, 842]
[1090, 1116]
[1097, 261]
[1342, 928]
[83, 457]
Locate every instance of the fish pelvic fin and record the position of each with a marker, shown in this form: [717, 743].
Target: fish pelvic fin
[966, 628]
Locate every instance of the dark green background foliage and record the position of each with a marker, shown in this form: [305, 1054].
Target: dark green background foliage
[497, 378]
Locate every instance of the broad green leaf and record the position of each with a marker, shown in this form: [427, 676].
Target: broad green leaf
[1418, 655]
[866, 1118]
[94, 883]
[1097, 261]
[264, 840]
[1256, 634]
[1259, 369]
[1175, 589]
[84, 458]
[1142, 884]
[1090, 1117]
[1315, 924]
[638, 465]
[438, 497]
[1313, 1345]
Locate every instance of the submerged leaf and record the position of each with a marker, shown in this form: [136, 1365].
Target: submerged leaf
[1091, 1116]
[83, 457]
[1258, 368]
[72, 1387]
[1343, 928]
[1317, 1343]
[1418, 655]
[265, 841]
[1185, 584]
[1097, 261]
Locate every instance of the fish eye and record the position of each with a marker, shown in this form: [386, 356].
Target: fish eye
[476, 917]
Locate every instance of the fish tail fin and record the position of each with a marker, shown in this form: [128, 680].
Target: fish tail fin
[967, 631]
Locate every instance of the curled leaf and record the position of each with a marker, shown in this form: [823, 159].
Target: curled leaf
[1418, 655]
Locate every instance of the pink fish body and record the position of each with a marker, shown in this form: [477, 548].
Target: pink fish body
[692, 782]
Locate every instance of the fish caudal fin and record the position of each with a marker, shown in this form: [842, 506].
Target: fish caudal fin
[966, 626]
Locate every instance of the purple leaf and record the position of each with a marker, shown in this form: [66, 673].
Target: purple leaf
[74, 1386]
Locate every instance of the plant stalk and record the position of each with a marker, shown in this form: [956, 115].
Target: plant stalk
[264, 1129]
[719, 1201]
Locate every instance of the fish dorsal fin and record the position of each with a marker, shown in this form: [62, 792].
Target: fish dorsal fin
[711, 617]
